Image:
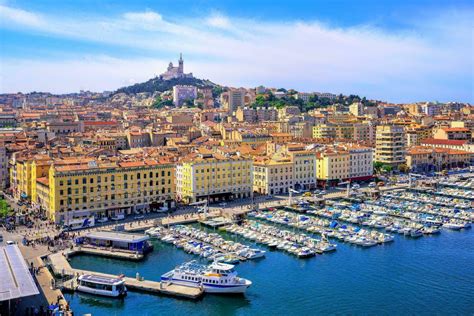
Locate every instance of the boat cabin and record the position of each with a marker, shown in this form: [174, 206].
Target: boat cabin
[117, 240]
[101, 285]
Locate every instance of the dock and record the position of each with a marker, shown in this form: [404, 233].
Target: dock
[105, 252]
[61, 266]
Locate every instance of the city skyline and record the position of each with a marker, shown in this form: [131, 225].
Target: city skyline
[403, 52]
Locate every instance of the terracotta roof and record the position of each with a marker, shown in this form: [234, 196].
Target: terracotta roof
[456, 129]
[433, 141]
[100, 122]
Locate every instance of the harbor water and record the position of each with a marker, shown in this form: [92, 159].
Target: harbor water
[425, 276]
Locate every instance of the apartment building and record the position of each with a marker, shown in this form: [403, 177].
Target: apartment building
[324, 131]
[183, 93]
[390, 144]
[333, 166]
[426, 159]
[273, 175]
[208, 175]
[304, 166]
[82, 188]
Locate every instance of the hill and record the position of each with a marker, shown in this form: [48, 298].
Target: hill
[159, 85]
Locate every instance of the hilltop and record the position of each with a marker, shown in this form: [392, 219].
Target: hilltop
[158, 84]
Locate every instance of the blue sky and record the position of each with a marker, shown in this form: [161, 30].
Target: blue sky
[399, 51]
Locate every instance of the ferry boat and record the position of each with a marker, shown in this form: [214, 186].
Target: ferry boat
[215, 278]
[102, 285]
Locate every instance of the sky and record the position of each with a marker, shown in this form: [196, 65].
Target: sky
[396, 51]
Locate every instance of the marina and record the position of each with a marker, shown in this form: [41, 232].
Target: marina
[289, 235]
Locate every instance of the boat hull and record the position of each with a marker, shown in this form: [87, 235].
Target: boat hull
[86, 289]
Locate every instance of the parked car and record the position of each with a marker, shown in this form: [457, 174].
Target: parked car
[307, 194]
[118, 217]
[103, 219]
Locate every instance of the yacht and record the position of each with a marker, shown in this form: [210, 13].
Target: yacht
[102, 285]
[215, 278]
[453, 225]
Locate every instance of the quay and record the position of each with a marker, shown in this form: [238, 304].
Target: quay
[61, 266]
[104, 252]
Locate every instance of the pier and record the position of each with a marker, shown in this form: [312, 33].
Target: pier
[61, 266]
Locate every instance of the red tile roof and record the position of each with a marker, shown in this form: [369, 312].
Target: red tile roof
[433, 141]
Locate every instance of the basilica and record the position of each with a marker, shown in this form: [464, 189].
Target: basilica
[176, 72]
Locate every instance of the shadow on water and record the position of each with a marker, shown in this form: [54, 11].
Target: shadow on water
[97, 301]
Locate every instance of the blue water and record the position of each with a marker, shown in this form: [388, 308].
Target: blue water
[426, 276]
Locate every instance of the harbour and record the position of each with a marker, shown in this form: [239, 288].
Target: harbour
[397, 263]
[413, 272]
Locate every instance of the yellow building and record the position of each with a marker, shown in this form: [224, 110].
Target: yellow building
[333, 165]
[213, 176]
[23, 174]
[324, 131]
[108, 188]
[272, 175]
[418, 133]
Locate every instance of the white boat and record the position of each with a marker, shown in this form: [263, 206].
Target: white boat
[101, 285]
[430, 230]
[215, 278]
[453, 225]
[305, 252]
[253, 253]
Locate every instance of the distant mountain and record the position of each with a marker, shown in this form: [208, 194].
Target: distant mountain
[159, 85]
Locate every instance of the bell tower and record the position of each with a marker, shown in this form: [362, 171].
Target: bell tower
[181, 64]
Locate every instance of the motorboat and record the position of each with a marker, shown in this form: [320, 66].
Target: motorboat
[102, 285]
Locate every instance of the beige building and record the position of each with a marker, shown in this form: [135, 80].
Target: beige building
[425, 159]
[324, 131]
[390, 144]
[273, 175]
[213, 176]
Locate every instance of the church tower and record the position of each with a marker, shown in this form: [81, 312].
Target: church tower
[181, 64]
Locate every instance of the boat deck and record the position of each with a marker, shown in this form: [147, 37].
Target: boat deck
[62, 267]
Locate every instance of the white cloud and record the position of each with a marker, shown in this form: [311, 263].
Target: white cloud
[218, 21]
[147, 17]
[20, 17]
[431, 61]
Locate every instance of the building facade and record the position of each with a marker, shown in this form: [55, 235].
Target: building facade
[211, 176]
[390, 146]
